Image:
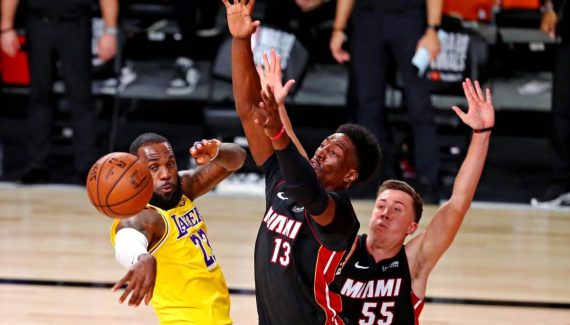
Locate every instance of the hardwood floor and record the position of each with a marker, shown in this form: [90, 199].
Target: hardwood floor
[505, 266]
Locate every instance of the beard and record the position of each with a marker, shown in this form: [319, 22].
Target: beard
[169, 202]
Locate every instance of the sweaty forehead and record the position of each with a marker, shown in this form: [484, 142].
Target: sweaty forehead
[339, 139]
[156, 151]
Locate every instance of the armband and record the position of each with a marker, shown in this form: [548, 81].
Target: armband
[278, 135]
[113, 31]
[434, 27]
[129, 245]
[483, 130]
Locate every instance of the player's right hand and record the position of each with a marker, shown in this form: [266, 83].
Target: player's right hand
[140, 281]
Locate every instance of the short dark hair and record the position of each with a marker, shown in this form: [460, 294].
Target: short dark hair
[146, 139]
[368, 151]
[393, 184]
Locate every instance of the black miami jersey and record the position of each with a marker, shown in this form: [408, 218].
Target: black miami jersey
[376, 293]
[296, 259]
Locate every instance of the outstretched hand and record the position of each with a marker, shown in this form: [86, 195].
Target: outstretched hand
[480, 114]
[205, 150]
[141, 278]
[271, 75]
[239, 18]
[266, 113]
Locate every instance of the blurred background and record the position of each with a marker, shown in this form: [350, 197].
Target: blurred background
[174, 79]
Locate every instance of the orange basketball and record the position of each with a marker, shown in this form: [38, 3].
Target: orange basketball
[119, 185]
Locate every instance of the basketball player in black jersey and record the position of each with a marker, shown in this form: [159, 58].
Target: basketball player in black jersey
[309, 221]
[384, 281]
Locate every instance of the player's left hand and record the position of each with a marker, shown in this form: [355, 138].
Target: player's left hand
[266, 113]
[205, 150]
[481, 113]
[141, 278]
[271, 75]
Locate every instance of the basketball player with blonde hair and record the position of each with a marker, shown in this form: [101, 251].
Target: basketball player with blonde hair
[165, 247]
[384, 281]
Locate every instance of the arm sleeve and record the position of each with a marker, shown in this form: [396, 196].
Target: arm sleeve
[301, 180]
[129, 245]
[340, 233]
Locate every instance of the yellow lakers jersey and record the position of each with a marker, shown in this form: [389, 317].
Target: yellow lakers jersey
[190, 287]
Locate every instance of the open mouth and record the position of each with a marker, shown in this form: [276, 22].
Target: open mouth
[167, 188]
[381, 224]
[315, 164]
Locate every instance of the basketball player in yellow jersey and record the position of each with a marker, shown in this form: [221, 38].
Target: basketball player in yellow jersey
[165, 247]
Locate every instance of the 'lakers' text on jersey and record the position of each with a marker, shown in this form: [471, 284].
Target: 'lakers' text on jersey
[190, 287]
[295, 258]
[376, 293]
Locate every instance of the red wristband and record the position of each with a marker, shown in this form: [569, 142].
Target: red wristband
[278, 135]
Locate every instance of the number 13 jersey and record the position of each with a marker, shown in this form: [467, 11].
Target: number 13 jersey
[295, 258]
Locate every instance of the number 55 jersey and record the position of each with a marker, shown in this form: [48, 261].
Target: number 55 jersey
[190, 287]
[376, 293]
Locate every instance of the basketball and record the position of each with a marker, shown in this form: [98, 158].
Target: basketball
[119, 185]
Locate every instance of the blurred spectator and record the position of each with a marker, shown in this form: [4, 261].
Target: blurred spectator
[60, 29]
[380, 30]
[309, 20]
[191, 15]
[556, 24]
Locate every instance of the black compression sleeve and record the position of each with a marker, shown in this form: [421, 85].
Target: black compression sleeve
[301, 180]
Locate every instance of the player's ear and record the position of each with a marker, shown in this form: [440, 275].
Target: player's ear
[351, 176]
[412, 228]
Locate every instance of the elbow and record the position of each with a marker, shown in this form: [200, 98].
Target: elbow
[458, 206]
[238, 156]
[242, 155]
[314, 200]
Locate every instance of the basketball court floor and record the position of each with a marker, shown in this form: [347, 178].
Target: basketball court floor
[508, 265]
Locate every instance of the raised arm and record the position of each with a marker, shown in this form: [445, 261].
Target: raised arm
[216, 161]
[425, 250]
[271, 75]
[302, 182]
[246, 85]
